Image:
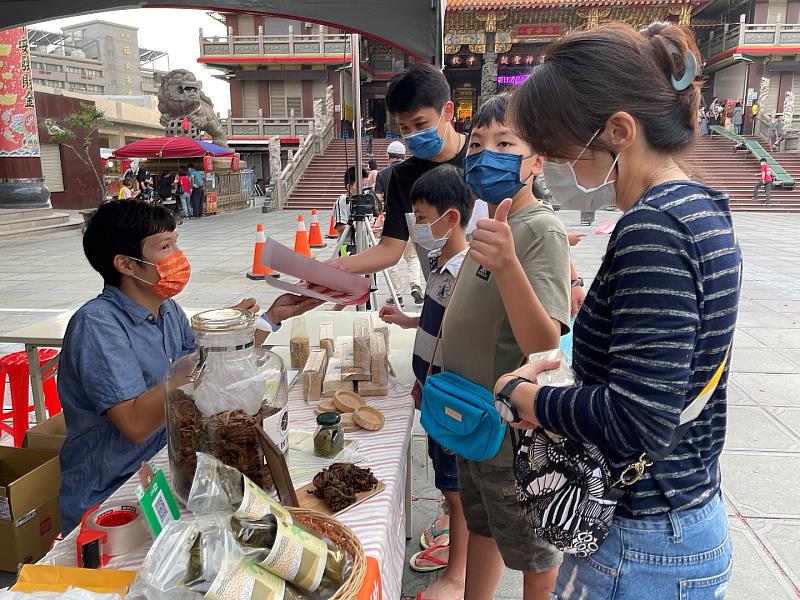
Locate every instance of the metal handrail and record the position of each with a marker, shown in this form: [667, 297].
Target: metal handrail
[785, 180]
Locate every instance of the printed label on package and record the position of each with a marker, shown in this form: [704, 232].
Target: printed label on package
[245, 581]
[297, 557]
[277, 428]
[257, 504]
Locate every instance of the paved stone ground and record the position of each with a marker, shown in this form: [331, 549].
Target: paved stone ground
[43, 276]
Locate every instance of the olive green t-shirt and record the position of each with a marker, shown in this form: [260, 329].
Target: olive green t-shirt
[477, 340]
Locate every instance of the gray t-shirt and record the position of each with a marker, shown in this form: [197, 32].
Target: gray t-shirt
[477, 340]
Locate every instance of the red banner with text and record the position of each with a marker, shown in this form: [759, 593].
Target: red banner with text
[19, 135]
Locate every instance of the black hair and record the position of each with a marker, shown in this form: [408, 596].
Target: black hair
[350, 175]
[491, 111]
[587, 76]
[373, 164]
[420, 86]
[763, 160]
[120, 227]
[190, 166]
[444, 187]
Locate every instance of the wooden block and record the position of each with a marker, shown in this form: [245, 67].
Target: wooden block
[379, 367]
[327, 341]
[367, 388]
[333, 379]
[314, 375]
[350, 370]
[361, 343]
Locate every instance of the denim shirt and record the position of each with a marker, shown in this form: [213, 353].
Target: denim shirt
[114, 350]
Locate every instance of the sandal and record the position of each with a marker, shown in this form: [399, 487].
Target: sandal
[438, 563]
[435, 534]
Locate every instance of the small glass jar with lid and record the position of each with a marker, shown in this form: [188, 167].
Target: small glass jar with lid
[329, 436]
[217, 396]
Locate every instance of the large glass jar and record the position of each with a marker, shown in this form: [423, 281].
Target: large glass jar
[216, 397]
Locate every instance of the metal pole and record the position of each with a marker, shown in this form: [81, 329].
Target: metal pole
[355, 51]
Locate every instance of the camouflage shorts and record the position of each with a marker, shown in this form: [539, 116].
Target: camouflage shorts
[491, 509]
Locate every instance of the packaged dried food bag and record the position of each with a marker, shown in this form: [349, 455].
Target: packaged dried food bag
[299, 346]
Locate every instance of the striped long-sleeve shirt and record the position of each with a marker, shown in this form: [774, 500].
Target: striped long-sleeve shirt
[656, 324]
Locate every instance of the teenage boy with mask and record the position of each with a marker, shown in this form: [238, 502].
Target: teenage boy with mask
[517, 278]
[118, 348]
[419, 98]
[442, 205]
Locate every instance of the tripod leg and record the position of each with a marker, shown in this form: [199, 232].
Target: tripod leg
[341, 241]
[385, 273]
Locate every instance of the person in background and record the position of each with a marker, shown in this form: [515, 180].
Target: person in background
[442, 205]
[755, 110]
[776, 133]
[765, 181]
[165, 185]
[341, 210]
[373, 173]
[703, 119]
[118, 349]
[184, 189]
[397, 154]
[369, 133]
[512, 299]
[657, 326]
[737, 118]
[197, 179]
[419, 98]
[126, 192]
[713, 112]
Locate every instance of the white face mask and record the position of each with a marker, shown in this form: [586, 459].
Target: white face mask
[562, 181]
[422, 234]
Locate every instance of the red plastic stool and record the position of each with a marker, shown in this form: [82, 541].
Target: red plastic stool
[15, 365]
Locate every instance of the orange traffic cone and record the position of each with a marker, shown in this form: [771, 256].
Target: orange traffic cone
[301, 238]
[260, 271]
[332, 233]
[314, 232]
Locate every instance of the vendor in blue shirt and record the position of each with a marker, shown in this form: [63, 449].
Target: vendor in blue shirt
[118, 348]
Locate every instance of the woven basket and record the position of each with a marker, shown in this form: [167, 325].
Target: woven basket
[344, 536]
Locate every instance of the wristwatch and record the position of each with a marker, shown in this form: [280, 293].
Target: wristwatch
[502, 403]
[576, 282]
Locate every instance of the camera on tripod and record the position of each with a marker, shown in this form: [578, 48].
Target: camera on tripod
[362, 205]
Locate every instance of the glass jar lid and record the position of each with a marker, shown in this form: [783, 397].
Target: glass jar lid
[328, 419]
[222, 320]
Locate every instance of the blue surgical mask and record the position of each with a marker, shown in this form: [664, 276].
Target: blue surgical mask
[494, 176]
[426, 144]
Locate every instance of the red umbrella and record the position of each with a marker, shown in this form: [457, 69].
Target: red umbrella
[171, 147]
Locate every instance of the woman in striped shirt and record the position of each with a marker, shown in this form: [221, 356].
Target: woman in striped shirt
[614, 110]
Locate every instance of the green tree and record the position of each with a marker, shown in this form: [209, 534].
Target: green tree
[77, 132]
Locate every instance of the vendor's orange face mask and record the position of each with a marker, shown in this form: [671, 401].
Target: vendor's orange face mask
[173, 272]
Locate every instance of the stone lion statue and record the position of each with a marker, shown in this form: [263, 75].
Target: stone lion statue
[181, 95]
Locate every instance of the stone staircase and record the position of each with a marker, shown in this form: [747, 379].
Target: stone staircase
[714, 161]
[24, 223]
[323, 183]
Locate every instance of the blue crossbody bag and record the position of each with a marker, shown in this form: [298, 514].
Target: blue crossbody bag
[460, 414]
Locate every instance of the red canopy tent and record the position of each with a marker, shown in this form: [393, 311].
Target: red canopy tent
[171, 147]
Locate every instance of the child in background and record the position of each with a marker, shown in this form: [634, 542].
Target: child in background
[442, 205]
[126, 191]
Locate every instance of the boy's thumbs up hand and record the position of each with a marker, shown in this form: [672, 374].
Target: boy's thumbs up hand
[492, 243]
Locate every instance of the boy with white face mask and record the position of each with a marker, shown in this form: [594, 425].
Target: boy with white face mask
[442, 205]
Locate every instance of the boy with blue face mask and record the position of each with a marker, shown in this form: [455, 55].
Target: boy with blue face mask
[419, 99]
[512, 299]
[442, 206]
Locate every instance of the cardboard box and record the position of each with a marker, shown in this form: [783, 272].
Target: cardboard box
[47, 436]
[29, 516]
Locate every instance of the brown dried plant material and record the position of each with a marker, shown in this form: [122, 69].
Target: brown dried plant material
[228, 436]
[314, 374]
[299, 347]
[339, 484]
[327, 340]
[352, 371]
[333, 381]
[361, 343]
[380, 362]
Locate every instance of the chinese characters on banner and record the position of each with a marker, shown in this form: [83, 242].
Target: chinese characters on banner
[19, 134]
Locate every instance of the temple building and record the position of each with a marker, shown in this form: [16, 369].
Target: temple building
[491, 45]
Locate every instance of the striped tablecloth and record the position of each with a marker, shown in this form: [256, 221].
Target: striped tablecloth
[378, 522]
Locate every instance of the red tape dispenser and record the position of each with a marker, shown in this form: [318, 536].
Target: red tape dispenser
[107, 532]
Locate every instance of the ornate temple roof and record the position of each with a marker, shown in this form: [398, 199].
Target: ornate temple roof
[491, 5]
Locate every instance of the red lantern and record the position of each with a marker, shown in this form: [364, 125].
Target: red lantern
[208, 164]
[185, 124]
[235, 163]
